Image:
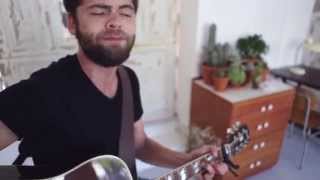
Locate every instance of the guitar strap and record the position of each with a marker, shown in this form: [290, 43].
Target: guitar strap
[126, 142]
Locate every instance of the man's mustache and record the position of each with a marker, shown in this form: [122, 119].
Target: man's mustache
[114, 33]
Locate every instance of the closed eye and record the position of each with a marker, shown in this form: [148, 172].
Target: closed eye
[97, 13]
[125, 15]
[99, 9]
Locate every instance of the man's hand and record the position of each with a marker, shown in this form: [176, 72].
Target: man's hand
[214, 168]
[7, 137]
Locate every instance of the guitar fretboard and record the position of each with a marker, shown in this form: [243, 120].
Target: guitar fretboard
[191, 168]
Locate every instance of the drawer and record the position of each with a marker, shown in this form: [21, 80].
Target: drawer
[261, 125]
[251, 167]
[260, 146]
[267, 104]
[254, 166]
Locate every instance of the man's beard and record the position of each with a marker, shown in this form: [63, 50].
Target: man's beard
[103, 55]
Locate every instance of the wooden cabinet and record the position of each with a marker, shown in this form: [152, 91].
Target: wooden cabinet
[266, 111]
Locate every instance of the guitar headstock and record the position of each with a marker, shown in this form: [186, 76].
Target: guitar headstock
[238, 136]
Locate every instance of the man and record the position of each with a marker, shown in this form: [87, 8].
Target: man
[70, 111]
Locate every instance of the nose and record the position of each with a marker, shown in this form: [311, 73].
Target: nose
[114, 21]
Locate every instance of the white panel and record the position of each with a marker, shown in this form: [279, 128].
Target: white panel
[24, 67]
[23, 29]
[3, 48]
[1, 44]
[156, 72]
[54, 15]
[156, 22]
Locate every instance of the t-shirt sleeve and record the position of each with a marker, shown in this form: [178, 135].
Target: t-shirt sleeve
[138, 110]
[15, 104]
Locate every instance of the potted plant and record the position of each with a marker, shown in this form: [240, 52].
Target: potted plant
[219, 57]
[252, 47]
[262, 67]
[220, 80]
[216, 56]
[257, 77]
[237, 74]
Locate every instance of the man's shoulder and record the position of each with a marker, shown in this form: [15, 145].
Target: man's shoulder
[55, 69]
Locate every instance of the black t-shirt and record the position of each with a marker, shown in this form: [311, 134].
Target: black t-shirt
[62, 117]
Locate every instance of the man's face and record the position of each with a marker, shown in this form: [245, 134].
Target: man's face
[105, 30]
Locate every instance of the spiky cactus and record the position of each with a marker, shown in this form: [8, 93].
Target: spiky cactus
[219, 54]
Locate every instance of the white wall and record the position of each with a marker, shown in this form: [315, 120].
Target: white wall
[283, 24]
[187, 63]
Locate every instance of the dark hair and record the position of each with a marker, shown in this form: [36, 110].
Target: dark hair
[71, 5]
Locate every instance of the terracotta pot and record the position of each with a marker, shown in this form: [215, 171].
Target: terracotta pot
[207, 72]
[250, 61]
[265, 74]
[220, 84]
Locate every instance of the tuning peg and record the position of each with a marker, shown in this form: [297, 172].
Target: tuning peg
[237, 149]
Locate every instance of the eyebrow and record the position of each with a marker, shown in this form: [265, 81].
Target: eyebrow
[127, 6]
[108, 7]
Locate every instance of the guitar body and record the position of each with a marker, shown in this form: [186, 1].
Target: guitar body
[100, 168]
[112, 168]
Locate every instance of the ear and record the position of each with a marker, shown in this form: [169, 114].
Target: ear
[71, 24]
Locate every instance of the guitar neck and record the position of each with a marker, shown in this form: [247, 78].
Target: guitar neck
[191, 168]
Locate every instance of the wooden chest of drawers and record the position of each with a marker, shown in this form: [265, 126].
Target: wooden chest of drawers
[266, 111]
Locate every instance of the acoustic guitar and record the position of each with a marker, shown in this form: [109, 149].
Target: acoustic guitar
[108, 167]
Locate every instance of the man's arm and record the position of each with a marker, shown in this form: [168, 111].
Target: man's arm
[7, 137]
[154, 153]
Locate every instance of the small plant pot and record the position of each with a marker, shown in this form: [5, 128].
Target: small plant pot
[207, 72]
[220, 83]
[265, 74]
[255, 84]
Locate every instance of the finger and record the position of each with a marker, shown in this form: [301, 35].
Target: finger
[207, 148]
[208, 176]
[204, 149]
[214, 150]
[220, 168]
[210, 169]
[198, 177]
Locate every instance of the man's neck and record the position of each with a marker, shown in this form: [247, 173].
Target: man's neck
[104, 78]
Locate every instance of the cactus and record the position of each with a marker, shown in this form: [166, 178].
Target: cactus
[212, 36]
[237, 74]
[221, 73]
[218, 54]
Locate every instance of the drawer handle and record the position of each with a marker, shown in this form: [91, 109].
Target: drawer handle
[259, 146]
[259, 127]
[263, 109]
[255, 164]
[270, 107]
[237, 124]
[258, 163]
[266, 125]
[262, 144]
